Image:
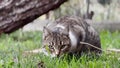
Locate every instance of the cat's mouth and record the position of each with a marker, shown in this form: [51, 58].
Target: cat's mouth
[56, 55]
[59, 53]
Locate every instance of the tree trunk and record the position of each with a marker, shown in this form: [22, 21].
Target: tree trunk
[14, 14]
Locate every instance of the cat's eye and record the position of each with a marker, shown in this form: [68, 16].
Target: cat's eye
[50, 46]
[62, 46]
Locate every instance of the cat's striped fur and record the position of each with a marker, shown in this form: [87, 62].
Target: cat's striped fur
[66, 34]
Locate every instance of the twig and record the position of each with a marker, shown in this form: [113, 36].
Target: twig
[91, 45]
[108, 50]
[114, 50]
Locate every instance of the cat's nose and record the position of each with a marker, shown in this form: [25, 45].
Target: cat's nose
[57, 54]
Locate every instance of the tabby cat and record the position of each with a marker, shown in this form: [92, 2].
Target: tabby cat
[66, 34]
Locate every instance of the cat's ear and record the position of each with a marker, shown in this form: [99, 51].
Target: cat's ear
[46, 30]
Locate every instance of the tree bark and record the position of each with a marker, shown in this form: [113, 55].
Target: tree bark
[14, 14]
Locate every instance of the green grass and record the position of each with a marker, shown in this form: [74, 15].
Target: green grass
[12, 47]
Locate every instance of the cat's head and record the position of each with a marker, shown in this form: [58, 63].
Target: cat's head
[57, 42]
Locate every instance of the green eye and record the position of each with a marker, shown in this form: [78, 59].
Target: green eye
[62, 46]
[50, 46]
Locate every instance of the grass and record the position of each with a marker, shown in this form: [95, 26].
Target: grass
[12, 47]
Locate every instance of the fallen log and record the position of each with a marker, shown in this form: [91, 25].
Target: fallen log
[14, 14]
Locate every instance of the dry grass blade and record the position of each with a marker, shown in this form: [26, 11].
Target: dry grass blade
[114, 50]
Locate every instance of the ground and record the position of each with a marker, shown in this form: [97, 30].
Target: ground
[12, 55]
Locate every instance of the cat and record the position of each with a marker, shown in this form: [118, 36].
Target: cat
[65, 35]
